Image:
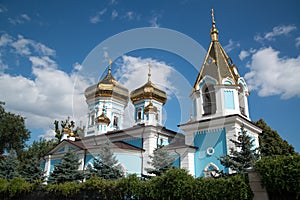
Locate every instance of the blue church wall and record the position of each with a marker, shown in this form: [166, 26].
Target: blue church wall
[137, 142]
[176, 162]
[88, 159]
[229, 99]
[211, 145]
[131, 163]
[53, 163]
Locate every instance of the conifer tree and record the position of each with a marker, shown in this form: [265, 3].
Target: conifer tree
[243, 156]
[32, 172]
[161, 161]
[106, 165]
[67, 170]
[9, 166]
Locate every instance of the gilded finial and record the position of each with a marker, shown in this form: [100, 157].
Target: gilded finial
[213, 18]
[109, 65]
[213, 31]
[149, 72]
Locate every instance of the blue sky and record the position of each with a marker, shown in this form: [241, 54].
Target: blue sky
[44, 46]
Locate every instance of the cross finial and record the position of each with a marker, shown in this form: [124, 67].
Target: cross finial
[213, 18]
[149, 72]
[109, 66]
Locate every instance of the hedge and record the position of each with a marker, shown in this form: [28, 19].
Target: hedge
[281, 176]
[174, 184]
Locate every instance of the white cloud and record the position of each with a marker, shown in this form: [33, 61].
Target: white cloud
[26, 47]
[134, 73]
[277, 31]
[154, 22]
[43, 61]
[298, 42]
[231, 45]
[50, 94]
[21, 19]
[5, 39]
[114, 14]
[243, 54]
[97, 18]
[273, 75]
[130, 15]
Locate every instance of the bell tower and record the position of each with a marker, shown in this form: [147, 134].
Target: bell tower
[220, 109]
[219, 90]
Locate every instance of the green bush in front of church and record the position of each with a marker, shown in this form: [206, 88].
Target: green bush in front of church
[67, 170]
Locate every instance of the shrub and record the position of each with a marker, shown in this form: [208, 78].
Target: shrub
[280, 175]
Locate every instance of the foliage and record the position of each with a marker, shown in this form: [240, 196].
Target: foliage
[9, 166]
[233, 187]
[38, 149]
[67, 170]
[161, 161]
[13, 134]
[271, 143]
[243, 156]
[280, 174]
[173, 184]
[32, 171]
[105, 165]
[18, 187]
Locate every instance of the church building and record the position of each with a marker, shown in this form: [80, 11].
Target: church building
[220, 108]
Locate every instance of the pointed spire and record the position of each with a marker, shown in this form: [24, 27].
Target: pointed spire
[149, 72]
[109, 66]
[214, 31]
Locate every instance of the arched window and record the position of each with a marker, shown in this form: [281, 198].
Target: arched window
[92, 122]
[139, 114]
[210, 170]
[209, 100]
[242, 99]
[116, 122]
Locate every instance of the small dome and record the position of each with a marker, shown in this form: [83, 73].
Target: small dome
[150, 108]
[107, 87]
[148, 91]
[103, 119]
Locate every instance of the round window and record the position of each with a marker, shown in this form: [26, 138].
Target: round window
[210, 151]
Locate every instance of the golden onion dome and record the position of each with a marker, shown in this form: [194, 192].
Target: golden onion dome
[103, 119]
[148, 91]
[150, 108]
[107, 87]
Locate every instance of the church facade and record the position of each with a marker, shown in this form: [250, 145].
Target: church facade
[220, 108]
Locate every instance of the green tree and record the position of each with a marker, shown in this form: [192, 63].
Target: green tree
[271, 143]
[13, 134]
[32, 172]
[243, 156]
[66, 170]
[105, 165]
[9, 166]
[161, 161]
[37, 149]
